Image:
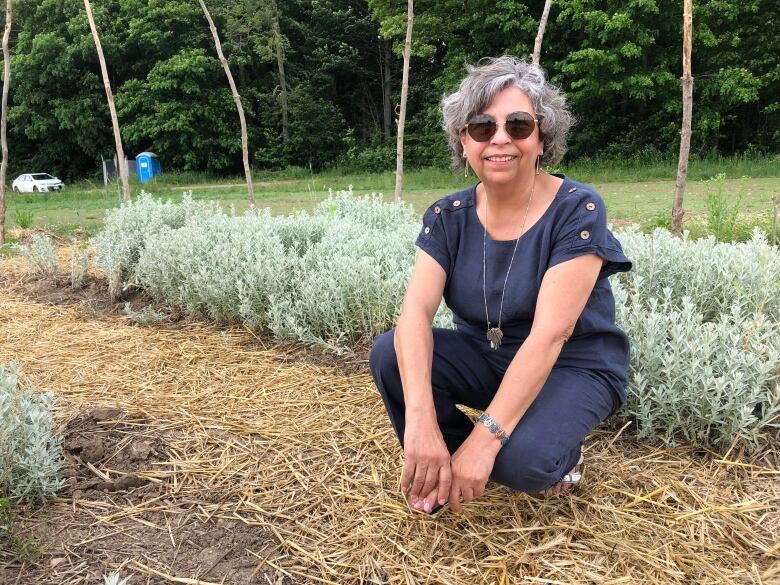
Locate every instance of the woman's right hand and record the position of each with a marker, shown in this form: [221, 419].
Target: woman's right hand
[426, 475]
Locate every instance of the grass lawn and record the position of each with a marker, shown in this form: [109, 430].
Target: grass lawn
[80, 208]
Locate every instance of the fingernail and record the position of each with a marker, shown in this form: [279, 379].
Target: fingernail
[442, 501]
[413, 499]
[427, 507]
[417, 505]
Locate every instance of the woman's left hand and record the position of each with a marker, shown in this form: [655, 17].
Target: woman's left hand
[471, 466]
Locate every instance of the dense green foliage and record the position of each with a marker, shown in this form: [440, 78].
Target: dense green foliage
[618, 62]
[336, 277]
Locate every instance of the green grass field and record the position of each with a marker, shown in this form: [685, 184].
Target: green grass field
[638, 194]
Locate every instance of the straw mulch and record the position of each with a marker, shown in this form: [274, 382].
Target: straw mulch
[303, 454]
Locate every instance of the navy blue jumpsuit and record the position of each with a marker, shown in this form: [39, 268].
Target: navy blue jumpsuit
[587, 383]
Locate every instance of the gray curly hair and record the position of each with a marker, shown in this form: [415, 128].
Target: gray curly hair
[489, 77]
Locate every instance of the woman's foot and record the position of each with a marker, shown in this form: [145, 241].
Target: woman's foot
[568, 481]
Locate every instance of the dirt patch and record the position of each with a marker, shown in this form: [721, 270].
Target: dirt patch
[117, 513]
[108, 451]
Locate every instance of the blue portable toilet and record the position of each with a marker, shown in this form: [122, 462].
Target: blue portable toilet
[147, 166]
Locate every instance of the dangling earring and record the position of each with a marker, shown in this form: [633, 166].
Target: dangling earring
[466, 171]
[538, 161]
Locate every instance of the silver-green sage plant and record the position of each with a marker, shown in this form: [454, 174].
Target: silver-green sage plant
[702, 315]
[41, 253]
[30, 449]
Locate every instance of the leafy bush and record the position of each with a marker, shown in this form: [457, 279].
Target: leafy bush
[703, 316]
[79, 266]
[41, 253]
[22, 218]
[721, 215]
[30, 459]
[119, 245]
[146, 316]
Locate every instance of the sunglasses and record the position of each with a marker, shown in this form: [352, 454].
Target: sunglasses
[518, 125]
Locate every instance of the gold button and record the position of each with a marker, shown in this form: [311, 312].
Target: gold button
[427, 230]
[584, 234]
[572, 190]
[590, 206]
[456, 203]
[437, 209]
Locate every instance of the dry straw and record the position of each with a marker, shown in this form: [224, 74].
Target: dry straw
[305, 453]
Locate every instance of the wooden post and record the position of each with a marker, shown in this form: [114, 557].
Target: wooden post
[399, 155]
[685, 136]
[237, 99]
[4, 115]
[120, 153]
[540, 32]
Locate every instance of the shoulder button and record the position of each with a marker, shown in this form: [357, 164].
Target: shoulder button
[437, 210]
[427, 230]
[590, 206]
[584, 234]
[456, 203]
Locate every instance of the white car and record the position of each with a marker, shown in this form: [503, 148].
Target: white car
[34, 182]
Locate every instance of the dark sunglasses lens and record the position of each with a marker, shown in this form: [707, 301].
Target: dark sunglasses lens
[482, 131]
[520, 125]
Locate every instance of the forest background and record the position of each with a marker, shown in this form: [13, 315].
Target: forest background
[320, 79]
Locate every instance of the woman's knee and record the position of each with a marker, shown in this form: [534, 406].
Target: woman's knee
[529, 467]
[382, 356]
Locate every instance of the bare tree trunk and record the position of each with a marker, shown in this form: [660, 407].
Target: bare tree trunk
[237, 99]
[120, 153]
[277, 34]
[387, 109]
[4, 115]
[540, 32]
[399, 156]
[685, 138]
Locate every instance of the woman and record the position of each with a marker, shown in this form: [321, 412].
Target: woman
[522, 260]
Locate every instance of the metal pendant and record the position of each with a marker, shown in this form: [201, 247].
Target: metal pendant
[494, 336]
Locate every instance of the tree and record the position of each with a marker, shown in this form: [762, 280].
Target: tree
[279, 51]
[540, 33]
[120, 153]
[4, 115]
[399, 157]
[685, 137]
[239, 107]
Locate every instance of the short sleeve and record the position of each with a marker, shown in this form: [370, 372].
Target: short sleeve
[432, 238]
[584, 231]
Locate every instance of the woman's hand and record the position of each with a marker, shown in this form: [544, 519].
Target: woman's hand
[426, 476]
[472, 464]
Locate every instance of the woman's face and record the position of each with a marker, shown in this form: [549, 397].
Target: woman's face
[503, 159]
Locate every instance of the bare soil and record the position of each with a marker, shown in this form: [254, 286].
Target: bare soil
[112, 456]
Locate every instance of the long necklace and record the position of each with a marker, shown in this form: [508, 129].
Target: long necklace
[494, 334]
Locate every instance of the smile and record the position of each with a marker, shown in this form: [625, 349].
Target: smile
[501, 158]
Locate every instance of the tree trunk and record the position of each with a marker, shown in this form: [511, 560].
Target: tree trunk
[540, 32]
[120, 153]
[237, 99]
[399, 156]
[685, 137]
[387, 109]
[277, 34]
[4, 115]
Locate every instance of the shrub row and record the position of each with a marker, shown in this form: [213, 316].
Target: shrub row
[703, 316]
